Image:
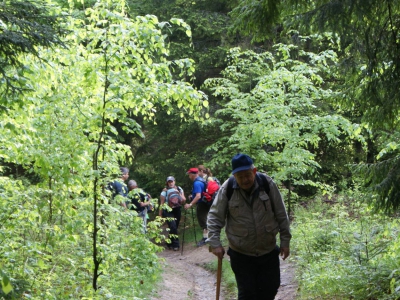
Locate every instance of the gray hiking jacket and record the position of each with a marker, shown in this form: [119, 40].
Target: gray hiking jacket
[251, 228]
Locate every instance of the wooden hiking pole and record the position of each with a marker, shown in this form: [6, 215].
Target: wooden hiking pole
[219, 275]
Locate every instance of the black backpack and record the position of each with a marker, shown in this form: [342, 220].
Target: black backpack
[111, 186]
[134, 199]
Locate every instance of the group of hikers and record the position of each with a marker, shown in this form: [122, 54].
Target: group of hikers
[174, 196]
[248, 205]
[132, 197]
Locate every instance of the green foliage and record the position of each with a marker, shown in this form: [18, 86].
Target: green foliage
[114, 69]
[208, 22]
[369, 62]
[24, 26]
[171, 147]
[44, 260]
[364, 34]
[345, 251]
[271, 111]
[369, 52]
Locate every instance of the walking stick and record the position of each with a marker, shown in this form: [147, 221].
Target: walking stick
[219, 273]
[194, 227]
[183, 235]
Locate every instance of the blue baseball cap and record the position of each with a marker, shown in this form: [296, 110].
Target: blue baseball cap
[241, 162]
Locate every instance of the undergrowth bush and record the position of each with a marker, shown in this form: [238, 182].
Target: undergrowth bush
[344, 250]
[54, 260]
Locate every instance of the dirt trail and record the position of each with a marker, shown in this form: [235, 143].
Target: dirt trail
[196, 283]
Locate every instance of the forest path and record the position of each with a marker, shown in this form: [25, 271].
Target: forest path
[184, 277]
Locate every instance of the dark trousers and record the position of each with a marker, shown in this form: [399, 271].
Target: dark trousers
[173, 224]
[202, 210]
[257, 278]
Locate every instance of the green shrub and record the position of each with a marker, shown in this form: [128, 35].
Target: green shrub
[345, 251]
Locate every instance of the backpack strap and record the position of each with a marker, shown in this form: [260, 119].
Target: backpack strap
[205, 187]
[229, 188]
[202, 181]
[262, 182]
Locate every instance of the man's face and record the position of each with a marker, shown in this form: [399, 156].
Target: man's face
[125, 176]
[171, 183]
[192, 176]
[245, 179]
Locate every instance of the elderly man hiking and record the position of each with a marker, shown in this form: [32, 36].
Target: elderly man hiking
[251, 206]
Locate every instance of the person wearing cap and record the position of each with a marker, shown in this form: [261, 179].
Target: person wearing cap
[202, 206]
[252, 216]
[139, 201]
[173, 215]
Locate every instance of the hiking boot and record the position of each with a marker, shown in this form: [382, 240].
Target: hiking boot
[202, 242]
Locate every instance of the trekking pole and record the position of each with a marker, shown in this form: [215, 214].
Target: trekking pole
[194, 227]
[183, 235]
[219, 275]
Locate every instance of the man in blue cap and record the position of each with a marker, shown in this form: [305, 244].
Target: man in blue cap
[251, 206]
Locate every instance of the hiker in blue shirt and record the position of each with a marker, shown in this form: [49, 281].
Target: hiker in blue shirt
[202, 206]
